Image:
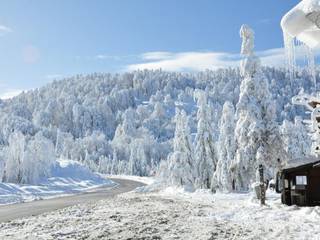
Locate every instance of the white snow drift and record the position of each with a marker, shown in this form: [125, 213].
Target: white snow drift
[67, 177]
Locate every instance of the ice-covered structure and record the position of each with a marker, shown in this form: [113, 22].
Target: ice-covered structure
[301, 27]
[313, 106]
[301, 30]
[303, 23]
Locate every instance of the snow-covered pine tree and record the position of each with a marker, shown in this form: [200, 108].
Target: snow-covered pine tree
[156, 122]
[226, 146]
[257, 134]
[295, 137]
[205, 153]
[181, 162]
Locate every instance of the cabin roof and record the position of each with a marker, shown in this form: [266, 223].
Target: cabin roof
[302, 163]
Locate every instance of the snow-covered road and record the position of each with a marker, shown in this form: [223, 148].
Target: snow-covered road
[171, 214]
[15, 211]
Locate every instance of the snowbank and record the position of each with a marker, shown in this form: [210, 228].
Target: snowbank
[145, 180]
[272, 221]
[68, 177]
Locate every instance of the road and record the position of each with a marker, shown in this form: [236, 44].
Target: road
[14, 211]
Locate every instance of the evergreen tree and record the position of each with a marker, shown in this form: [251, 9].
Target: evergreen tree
[181, 163]
[223, 178]
[257, 133]
[205, 153]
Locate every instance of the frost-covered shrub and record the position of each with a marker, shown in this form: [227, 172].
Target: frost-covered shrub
[14, 157]
[27, 160]
[38, 159]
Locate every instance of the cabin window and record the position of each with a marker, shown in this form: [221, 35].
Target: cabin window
[301, 180]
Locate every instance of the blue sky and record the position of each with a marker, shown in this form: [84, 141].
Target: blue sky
[45, 39]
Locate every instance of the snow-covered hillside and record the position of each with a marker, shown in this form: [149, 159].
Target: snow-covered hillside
[124, 123]
[67, 177]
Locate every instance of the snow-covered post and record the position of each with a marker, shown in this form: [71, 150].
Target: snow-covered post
[262, 187]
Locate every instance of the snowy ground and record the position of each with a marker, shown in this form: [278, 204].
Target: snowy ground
[68, 177]
[171, 214]
[145, 180]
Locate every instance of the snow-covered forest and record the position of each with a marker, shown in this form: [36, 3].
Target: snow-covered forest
[127, 123]
[208, 129]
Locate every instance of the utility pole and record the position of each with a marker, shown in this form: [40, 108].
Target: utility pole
[262, 186]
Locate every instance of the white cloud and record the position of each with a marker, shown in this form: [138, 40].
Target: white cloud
[186, 61]
[273, 57]
[103, 57]
[112, 57]
[156, 55]
[10, 93]
[197, 61]
[5, 29]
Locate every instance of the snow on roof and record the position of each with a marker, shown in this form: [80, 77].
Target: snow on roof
[302, 22]
[310, 5]
[301, 162]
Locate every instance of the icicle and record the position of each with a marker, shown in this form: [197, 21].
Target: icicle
[295, 49]
[312, 67]
[308, 56]
[290, 54]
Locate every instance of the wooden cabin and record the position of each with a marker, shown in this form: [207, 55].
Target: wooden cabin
[299, 182]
